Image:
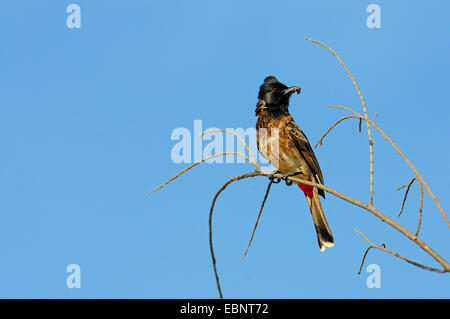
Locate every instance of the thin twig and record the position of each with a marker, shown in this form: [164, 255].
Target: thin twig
[408, 186]
[329, 130]
[199, 162]
[257, 219]
[420, 209]
[421, 202]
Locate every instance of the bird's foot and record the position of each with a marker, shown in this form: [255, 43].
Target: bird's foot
[287, 181]
[274, 179]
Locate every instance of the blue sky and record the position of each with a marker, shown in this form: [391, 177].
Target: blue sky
[86, 117]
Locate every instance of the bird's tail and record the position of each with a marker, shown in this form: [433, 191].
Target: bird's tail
[324, 235]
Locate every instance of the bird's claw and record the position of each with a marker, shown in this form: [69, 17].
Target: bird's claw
[274, 179]
[287, 180]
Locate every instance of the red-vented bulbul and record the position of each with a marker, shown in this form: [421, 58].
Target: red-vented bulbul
[286, 147]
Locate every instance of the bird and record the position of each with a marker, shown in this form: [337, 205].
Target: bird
[281, 141]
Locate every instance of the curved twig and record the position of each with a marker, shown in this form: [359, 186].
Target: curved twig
[201, 161]
[334, 125]
[408, 186]
[228, 182]
[419, 222]
[365, 255]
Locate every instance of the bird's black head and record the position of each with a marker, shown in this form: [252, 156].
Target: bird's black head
[276, 96]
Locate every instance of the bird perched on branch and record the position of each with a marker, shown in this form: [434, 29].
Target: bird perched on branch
[286, 147]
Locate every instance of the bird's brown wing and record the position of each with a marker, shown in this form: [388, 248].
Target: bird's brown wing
[301, 142]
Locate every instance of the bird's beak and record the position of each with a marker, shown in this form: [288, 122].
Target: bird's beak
[292, 89]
